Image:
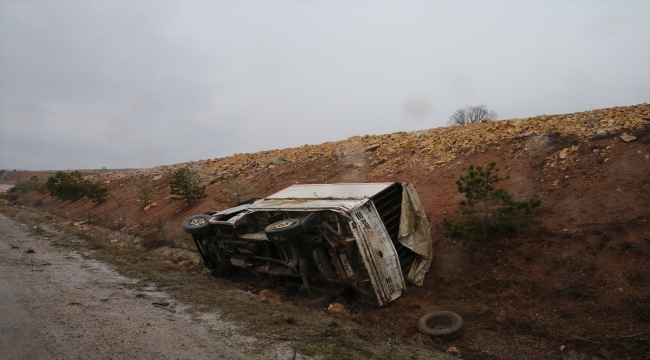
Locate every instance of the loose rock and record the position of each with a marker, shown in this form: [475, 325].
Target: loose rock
[270, 295]
[338, 308]
[601, 133]
[628, 138]
[373, 147]
[453, 351]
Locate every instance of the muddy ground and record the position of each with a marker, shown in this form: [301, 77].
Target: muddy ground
[573, 282]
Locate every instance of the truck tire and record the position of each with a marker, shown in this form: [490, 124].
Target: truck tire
[284, 229]
[197, 224]
[446, 325]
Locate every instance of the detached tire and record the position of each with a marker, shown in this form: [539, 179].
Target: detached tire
[284, 229]
[197, 224]
[446, 325]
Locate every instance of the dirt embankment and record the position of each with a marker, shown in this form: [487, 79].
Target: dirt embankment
[574, 281]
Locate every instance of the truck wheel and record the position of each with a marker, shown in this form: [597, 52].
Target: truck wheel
[284, 229]
[196, 224]
[445, 325]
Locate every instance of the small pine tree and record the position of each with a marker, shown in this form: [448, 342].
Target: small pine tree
[187, 185]
[235, 193]
[146, 192]
[485, 206]
[66, 186]
[74, 186]
[96, 193]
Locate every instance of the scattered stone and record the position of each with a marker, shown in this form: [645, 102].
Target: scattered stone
[563, 155]
[338, 308]
[591, 122]
[270, 295]
[647, 157]
[595, 151]
[526, 134]
[104, 299]
[157, 177]
[627, 138]
[372, 148]
[562, 347]
[114, 241]
[601, 133]
[164, 307]
[453, 351]
[278, 161]
[153, 204]
[30, 251]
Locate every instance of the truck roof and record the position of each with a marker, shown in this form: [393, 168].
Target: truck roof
[343, 191]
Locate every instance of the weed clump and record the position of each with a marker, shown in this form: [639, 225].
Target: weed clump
[235, 193]
[145, 190]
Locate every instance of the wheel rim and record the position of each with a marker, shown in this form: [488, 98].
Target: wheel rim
[282, 224]
[197, 222]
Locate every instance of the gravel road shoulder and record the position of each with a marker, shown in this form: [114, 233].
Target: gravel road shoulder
[57, 304]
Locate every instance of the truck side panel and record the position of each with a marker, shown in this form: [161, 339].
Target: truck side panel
[379, 254]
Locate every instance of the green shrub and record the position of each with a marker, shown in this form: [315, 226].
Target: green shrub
[485, 207]
[96, 193]
[66, 186]
[30, 185]
[187, 185]
[74, 186]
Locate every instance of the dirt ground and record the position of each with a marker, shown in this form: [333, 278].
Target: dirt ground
[59, 305]
[572, 283]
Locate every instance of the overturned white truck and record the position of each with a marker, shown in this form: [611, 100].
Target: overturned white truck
[326, 240]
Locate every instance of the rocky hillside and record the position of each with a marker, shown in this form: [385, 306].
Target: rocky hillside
[378, 155]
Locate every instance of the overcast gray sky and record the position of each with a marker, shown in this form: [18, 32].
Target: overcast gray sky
[132, 84]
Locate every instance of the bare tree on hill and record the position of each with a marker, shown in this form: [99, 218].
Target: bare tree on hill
[471, 115]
